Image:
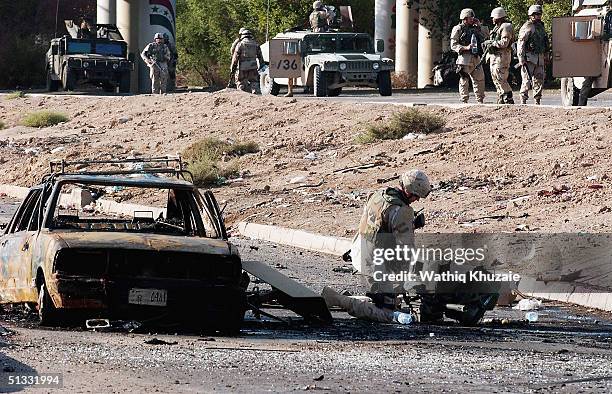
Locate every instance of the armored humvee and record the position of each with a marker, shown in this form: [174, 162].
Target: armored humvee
[325, 62]
[100, 59]
[582, 51]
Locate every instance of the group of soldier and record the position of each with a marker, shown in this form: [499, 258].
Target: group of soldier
[473, 48]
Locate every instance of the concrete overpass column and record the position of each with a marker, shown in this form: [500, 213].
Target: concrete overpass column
[430, 42]
[407, 40]
[128, 22]
[106, 12]
[384, 25]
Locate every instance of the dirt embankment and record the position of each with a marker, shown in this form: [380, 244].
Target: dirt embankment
[495, 168]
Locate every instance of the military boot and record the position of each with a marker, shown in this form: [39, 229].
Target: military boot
[537, 101]
[501, 100]
[509, 99]
[523, 100]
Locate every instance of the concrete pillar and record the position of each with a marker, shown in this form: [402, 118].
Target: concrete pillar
[128, 22]
[106, 12]
[384, 25]
[430, 42]
[407, 40]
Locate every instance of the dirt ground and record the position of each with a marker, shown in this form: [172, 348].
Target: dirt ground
[539, 169]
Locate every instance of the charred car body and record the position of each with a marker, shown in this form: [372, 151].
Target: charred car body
[101, 60]
[77, 255]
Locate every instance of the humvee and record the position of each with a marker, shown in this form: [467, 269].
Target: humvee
[325, 62]
[582, 51]
[101, 60]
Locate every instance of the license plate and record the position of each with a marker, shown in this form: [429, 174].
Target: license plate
[155, 297]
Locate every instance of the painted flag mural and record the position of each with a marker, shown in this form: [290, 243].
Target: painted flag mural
[163, 14]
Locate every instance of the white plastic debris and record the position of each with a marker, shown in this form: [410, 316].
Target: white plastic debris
[531, 317]
[311, 156]
[413, 136]
[528, 304]
[298, 179]
[31, 151]
[57, 150]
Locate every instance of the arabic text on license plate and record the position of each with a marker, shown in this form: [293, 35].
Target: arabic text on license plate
[153, 297]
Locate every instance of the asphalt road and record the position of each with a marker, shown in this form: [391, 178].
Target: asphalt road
[428, 96]
[567, 350]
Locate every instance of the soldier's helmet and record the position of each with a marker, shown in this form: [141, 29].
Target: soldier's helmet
[158, 35]
[466, 12]
[416, 182]
[498, 13]
[534, 9]
[242, 30]
[317, 4]
[245, 33]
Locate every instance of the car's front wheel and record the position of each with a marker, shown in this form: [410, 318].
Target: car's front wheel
[569, 93]
[384, 83]
[320, 82]
[47, 312]
[52, 85]
[267, 84]
[69, 79]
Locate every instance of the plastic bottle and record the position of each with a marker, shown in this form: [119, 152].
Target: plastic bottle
[402, 318]
[531, 317]
[474, 43]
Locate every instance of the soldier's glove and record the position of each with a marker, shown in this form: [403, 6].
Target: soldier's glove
[419, 221]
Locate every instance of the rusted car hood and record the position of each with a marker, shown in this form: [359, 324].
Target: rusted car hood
[156, 242]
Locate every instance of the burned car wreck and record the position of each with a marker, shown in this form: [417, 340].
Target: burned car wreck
[74, 251]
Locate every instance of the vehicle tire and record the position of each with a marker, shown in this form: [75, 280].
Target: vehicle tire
[320, 82]
[52, 85]
[124, 82]
[69, 79]
[334, 92]
[569, 93]
[48, 314]
[384, 83]
[267, 84]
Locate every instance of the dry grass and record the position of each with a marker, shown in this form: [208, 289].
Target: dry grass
[212, 161]
[15, 95]
[44, 119]
[402, 123]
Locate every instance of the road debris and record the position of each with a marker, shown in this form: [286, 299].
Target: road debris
[156, 341]
[528, 304]
[359, 167]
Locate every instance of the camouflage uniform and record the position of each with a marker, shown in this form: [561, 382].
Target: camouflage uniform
[387, 221]
[499, 57]
[172, 65]
[532, 46]
[245, 57]
[460, 41]
[319, 21]
[157, 57]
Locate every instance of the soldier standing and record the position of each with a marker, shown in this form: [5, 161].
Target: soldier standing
[172, 63]
[532, 48]
[244, 61]
[157, 55]
[466, 40]
[232, 79]
[319, 18]
[499, 48]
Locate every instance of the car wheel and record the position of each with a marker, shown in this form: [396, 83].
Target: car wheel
[267, 84]
[69, 79]
[47, 312]
[384, 83]
[569, 93]
[124, 83]
[334, 92]
[320, 82]
[52, 85]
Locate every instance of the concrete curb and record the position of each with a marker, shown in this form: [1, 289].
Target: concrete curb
[298, 238]
[568, 293]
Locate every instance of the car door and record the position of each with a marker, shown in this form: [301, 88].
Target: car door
[576, 45]
[16, 250]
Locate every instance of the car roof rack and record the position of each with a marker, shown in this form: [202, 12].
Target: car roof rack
[173, 165]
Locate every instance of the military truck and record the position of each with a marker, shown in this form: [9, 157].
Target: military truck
[101, 60]
[582, 51]
[325, 62]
